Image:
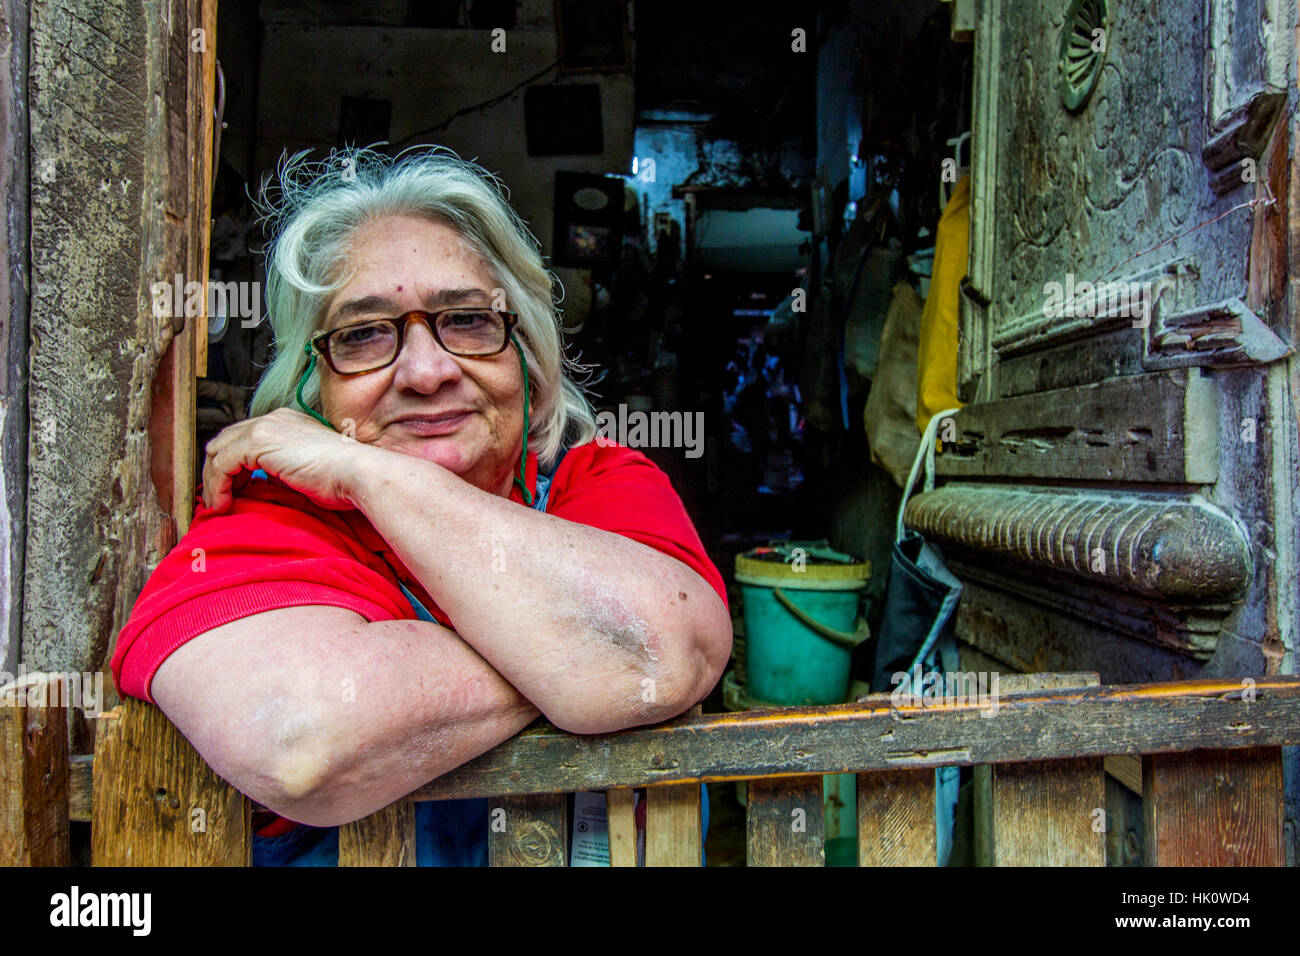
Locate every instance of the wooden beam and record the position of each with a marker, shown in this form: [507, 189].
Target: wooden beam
[528, 831]
[620, 814]
[1214, 808]
[673, 826]
[1161, 427]
[785, 822]
[869, 735]
[1175, 550]
[157, 802]
[34, 777]
[385, 838]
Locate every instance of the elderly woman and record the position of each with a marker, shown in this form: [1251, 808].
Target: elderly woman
[434, 551]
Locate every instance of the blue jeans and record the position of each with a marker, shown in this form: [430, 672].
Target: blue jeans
[447, 833]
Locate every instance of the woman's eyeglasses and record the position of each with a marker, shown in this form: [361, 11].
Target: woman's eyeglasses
[374, 344]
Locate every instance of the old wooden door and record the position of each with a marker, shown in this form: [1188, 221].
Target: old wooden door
[1121, 489]
[120, 146]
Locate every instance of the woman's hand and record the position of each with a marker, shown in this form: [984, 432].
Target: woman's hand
[288, 445]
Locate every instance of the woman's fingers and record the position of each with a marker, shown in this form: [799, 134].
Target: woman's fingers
[218, 470]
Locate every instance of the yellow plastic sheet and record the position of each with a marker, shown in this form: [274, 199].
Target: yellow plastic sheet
[936, 379]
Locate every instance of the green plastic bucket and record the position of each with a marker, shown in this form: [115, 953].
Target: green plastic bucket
[801, 626]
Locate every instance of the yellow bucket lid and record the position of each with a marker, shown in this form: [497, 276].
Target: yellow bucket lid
[805, 574]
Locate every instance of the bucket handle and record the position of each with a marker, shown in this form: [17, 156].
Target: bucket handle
[843, 638]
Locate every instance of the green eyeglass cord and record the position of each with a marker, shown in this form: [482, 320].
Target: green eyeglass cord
[523, 457]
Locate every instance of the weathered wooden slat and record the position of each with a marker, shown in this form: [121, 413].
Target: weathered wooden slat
[1049, 813]
[1214, 808]
[982, 797]
[785, 822]
[674, 828]
[81, 768]
[157, 803]
[34, 778]
[528, 831]
[385, 838]
[1042, 813]
[866, 736]
[1127, 769]
[620, 814]
[896, 819]
[202, 95]
[1161, 427]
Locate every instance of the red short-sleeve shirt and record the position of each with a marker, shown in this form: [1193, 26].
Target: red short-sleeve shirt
[274, 548]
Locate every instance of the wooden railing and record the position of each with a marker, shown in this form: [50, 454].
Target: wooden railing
[1210, 780]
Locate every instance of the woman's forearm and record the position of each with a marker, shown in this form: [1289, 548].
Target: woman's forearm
[599, 631]
[326, 718]
[426, 703]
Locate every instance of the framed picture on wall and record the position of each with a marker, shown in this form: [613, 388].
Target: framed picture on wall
[588, 220]
[593, 36]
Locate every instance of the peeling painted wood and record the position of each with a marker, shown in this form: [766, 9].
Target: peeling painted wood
[1107, 193]
[1247, 129]
[1111, 355]
[1223, 334]
[1114, 302]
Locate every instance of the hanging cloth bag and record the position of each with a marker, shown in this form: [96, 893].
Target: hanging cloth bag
[916, 635]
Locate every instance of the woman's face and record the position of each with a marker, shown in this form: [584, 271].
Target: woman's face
[466, 414]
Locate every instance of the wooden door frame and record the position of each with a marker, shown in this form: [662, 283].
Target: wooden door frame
[121, 181]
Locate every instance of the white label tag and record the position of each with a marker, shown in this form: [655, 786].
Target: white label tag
[590, 831]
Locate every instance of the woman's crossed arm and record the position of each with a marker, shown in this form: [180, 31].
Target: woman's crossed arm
[325, 717]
